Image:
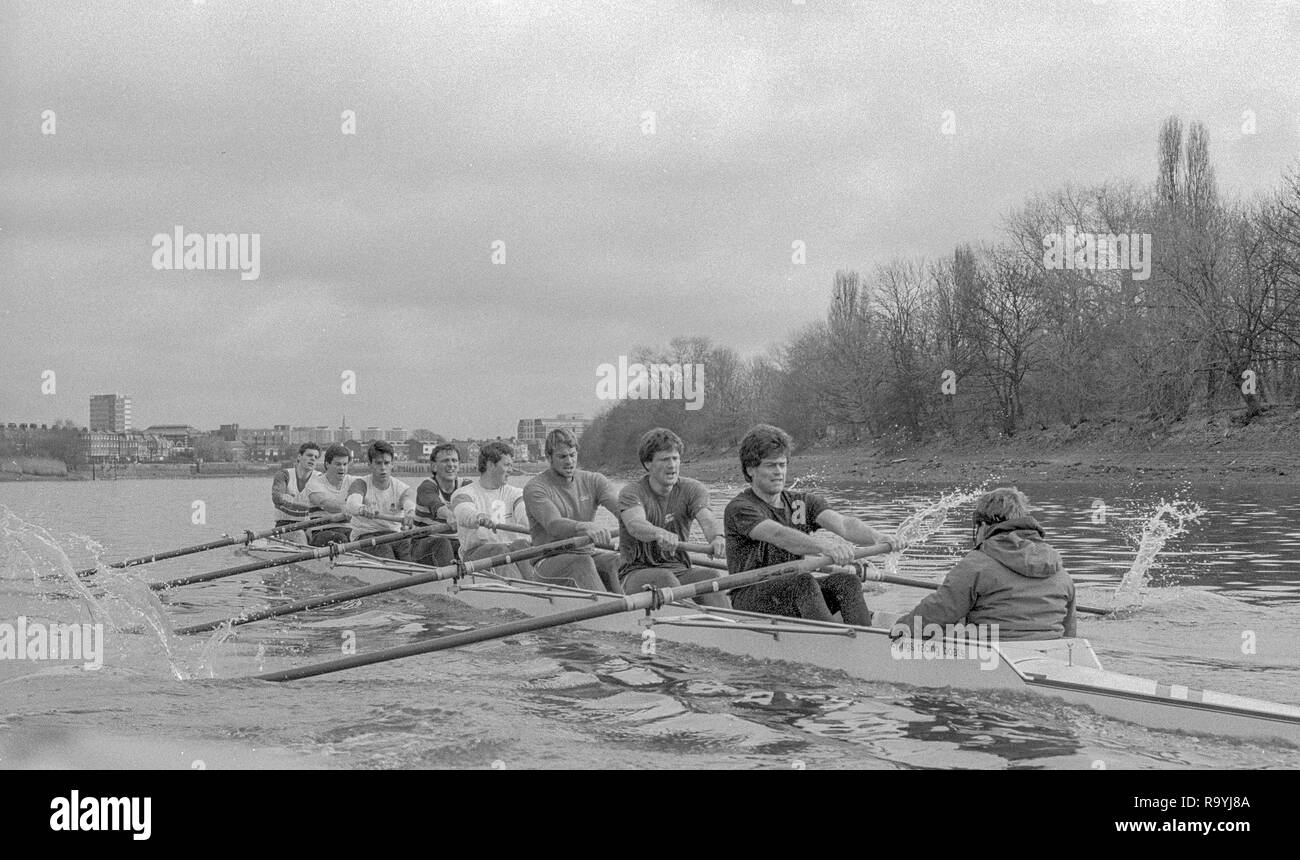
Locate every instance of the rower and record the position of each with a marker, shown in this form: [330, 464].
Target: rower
[488, 502]
[1011, 578]
[767, 524]
[656, 515]
[380, 504]
[433, 503]
[289, 491]
[561, 503]
[328, 492]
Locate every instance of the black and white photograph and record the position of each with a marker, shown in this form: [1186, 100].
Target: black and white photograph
[749, 385]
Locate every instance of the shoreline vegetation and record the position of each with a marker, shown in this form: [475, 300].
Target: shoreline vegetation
[1136, 329]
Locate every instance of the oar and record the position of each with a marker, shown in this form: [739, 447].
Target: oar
[643, 600]
[291, 558]
[248, 537]
[434, 574]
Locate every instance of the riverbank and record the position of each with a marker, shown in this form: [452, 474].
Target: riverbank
[1202, 450]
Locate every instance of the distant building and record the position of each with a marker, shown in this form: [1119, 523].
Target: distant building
[100, 446]
[319, 434]
[371, 434]
[420, 450]
[266, 445]
[177, 435]
[532, 430]
[467, 450]
[228, 432]
[110, 413]
[397, 434]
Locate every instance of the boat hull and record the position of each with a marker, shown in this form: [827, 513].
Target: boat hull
[1066, 669]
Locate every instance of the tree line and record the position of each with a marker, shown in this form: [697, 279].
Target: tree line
[997, 337]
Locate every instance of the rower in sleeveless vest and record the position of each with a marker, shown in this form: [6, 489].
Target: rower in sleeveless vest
[289, 491]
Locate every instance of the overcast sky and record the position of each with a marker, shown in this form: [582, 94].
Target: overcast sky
[475, 123]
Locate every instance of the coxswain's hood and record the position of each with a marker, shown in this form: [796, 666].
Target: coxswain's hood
[1018, 545]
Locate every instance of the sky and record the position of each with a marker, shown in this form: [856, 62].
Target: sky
[638, 171]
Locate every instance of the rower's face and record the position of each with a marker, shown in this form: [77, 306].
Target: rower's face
[307, 459]
[769, 475]
[338, 467]
[499, 470]
[564, 461]
[665, 468]
[448, 464]
[381, 466]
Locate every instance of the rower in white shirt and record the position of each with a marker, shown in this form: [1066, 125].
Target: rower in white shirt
[488, 501]
[328, 491]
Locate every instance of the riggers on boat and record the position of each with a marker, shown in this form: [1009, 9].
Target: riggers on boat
[1065, 668]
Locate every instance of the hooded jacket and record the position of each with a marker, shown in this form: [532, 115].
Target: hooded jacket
[1012, 578]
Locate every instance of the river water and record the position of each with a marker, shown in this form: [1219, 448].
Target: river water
[1221, 611]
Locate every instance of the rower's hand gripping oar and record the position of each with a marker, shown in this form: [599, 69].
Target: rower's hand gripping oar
[247, 538]
[613, 605]
[330, 550]
[435, 574]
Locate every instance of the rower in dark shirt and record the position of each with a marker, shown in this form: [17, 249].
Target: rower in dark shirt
[767, 524]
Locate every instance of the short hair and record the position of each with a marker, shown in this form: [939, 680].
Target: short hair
[492, 452]
[560, 436]
[441, 447]
[379, 446]
[307, 446]
[1003, 503]
[335, 451]
[761, 442]
[656, 440]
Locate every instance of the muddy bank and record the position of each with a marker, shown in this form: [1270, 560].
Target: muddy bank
[1207, 450]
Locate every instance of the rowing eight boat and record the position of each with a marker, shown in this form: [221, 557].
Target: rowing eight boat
[1064, 668]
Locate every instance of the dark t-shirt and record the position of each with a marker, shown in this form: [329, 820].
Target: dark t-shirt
[798, 511]
[674, 512]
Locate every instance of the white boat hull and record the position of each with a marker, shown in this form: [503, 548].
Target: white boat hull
[1066, 668]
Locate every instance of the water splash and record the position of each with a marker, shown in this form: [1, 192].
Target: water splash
[927, 519]
[113, 598]
[914, 530]
[1169, 520]
[206, 659]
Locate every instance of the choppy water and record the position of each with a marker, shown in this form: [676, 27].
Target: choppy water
[572, 697]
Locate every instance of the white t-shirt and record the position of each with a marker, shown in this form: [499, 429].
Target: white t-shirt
[388, 500]
[319, 483]
[504, 505]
